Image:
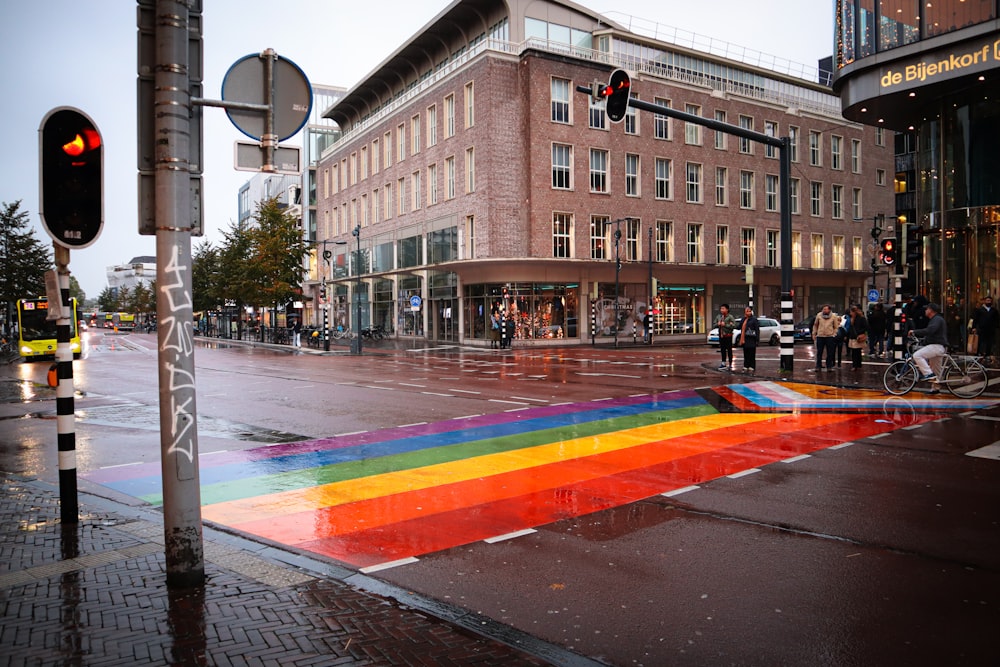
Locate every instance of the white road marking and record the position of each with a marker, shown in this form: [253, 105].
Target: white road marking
[510, 536]
[410, 384]
[435, 393]
[794, 459]
[388, 565]
[842, 445]
[987, 452]
[743, 473]
[500, 400]
[677, 492]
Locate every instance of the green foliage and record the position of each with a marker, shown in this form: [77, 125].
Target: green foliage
[24, 259]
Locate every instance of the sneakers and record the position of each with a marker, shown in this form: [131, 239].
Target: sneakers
[722, 367]
[929, 377]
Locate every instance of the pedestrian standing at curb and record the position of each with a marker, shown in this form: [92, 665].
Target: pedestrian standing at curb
[297, 333]
[749, 333]
[857, 335]
[984, 324]
[824, 333]
[725, 323]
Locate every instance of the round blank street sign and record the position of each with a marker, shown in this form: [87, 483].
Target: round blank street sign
[244, 82]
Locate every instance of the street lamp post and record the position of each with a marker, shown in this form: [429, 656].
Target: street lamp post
[356, 342]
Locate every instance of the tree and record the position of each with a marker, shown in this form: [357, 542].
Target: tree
[233, 282]
[205, 277]
[277, 265]
[107, 301]
[24, 258]
[76, 291]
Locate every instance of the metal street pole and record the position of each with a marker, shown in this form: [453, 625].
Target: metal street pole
[356, 345]
[618, 268]
[184, 551]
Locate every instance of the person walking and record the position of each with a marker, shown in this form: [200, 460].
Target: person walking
[857, 335]
[876, 331]
[824, 333]
[725, 323]
[749, 333]
[297, 333]
[494, 328]
[984, 323]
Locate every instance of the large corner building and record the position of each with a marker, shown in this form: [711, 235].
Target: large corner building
[471, 173]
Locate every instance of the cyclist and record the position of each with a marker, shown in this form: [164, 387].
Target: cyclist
[935, 336]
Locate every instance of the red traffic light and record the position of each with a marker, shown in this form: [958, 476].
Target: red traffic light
[617, 92]
[71, 183]
[888, 251]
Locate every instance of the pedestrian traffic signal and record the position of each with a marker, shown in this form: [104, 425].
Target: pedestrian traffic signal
[617, 93]
[888, 252]
[71, 182]
[322, 293]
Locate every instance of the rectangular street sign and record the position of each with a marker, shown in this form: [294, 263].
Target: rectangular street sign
[249, 156]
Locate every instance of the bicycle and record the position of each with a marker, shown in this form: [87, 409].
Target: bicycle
[963, 376]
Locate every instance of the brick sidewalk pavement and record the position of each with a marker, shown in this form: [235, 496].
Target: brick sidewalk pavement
[95, 593]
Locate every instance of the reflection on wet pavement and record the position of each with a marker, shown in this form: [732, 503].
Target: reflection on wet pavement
[377, 497]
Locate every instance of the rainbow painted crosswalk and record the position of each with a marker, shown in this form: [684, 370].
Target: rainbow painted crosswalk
[381, 496]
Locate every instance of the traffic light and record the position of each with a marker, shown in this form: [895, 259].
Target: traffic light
[914, 245]
[322, 293]
[888, 252]
[71, 182]
[617, 93]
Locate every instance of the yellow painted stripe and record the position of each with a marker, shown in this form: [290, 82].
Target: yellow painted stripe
[374, 486]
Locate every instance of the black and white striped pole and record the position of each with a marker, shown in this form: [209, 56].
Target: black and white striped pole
[69, 511]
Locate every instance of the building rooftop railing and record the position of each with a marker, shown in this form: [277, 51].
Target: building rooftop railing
[777, 91]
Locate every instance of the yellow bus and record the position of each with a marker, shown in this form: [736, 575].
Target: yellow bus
[37, 334]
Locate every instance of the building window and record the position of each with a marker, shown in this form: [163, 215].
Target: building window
[664, 241]
[837, 202]
[815, 149]
[722, 244]
[748, 246]
[470, 104]
[600, 226]
[836, 153]
[746, 189]
[631, 120]
[415, 135]
[376, 206]
[401, 196]
[771, 130]
[335, 180]
[880, 136]
[771, 193]
[721, 178]
[432, 184]
[400, 142]
[693, 182]
[560, 101]
[773, 247]
[856, 203]
[839, 258]
[375, 157]
[354, 168]
[694, 243]
[815, 199]
[856, 156]
[562, 234]
[387, 200]
[721, 137]
[793, 194]
[562, 157]
[661, 123]
[432, 125]
[880, 177]
[817, 251]
[598, 170]
[364, 162]
[449, 116]
[470, 170]
[632, 227]
[796, 250]
[470, 236]
[663, 166]
[631, 175]
[793, 143]
[857, 250]
[746, 145]
[692, 131]
[387, 149]
[415, 194]
[449, 177]
[598, 114]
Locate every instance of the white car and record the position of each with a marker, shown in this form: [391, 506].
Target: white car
[770, 332]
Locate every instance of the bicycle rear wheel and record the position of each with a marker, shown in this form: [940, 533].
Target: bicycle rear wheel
[967, 379]
[900, 377]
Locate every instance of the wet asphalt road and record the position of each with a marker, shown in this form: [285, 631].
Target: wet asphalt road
[883, 551]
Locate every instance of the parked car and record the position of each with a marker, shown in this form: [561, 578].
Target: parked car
[770, 332]
[803, 331]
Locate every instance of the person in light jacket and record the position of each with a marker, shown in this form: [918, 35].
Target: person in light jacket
[824, 333]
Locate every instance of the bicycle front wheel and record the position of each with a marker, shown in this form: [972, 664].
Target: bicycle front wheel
[900, 377]
[966, 379]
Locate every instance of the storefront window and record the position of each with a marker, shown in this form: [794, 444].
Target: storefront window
[537, 311]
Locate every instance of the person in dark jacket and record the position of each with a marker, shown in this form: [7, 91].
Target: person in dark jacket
[935, 336]
[984, 323]
[876, 331]
[857, 332]
[749, 334]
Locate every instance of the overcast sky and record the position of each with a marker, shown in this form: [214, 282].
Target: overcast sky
[81, 53]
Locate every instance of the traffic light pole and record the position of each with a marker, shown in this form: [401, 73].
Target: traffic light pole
[69, 512]
[184, 550]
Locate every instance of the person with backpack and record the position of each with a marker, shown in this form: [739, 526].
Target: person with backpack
[725, 323]
[857, 335]
[749, 335]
